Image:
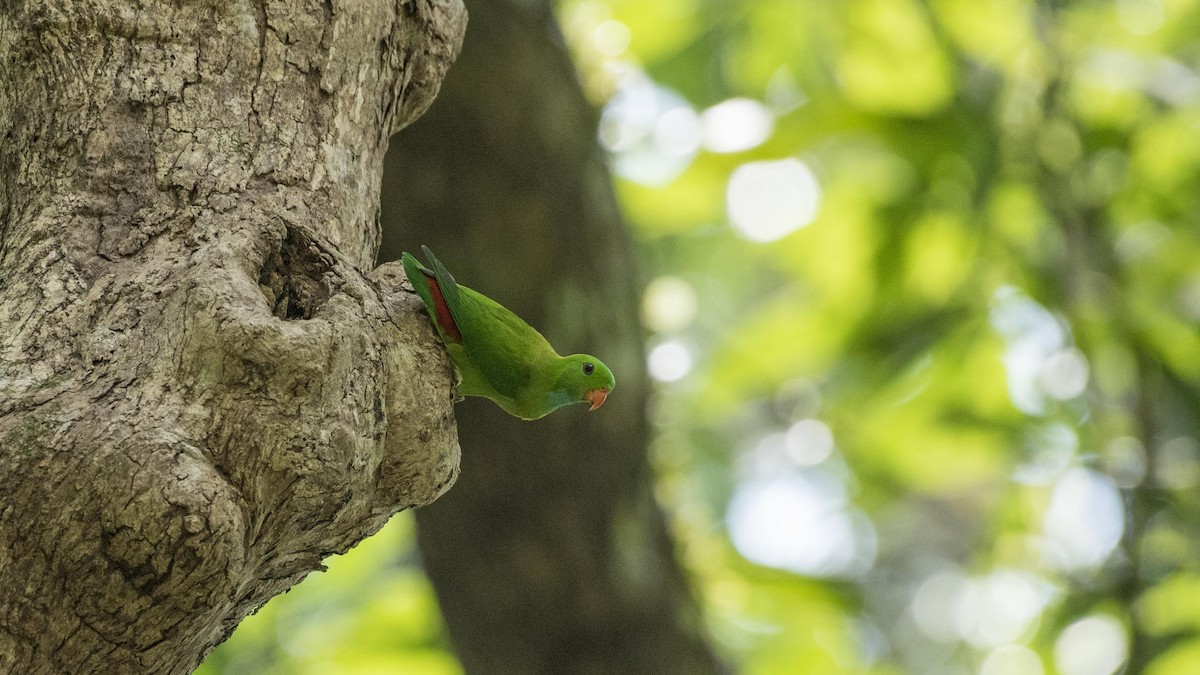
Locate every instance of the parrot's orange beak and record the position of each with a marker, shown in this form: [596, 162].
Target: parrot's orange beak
[596, 397]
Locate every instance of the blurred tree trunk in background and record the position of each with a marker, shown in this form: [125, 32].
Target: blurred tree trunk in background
[550, 554]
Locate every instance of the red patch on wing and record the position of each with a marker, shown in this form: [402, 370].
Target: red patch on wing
[444, 319]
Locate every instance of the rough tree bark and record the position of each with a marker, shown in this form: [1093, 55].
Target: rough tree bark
[204, 389]
[550, 555]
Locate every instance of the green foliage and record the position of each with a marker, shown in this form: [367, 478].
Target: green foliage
[993, 313]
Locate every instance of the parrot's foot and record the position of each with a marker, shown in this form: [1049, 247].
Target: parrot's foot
[457, 381]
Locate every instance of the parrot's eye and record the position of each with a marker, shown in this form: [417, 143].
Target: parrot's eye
[588, 368]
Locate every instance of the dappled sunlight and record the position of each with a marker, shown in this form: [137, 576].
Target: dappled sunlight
[953, 237]
[970, 276]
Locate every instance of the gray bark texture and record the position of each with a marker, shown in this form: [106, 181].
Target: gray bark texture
[204, 387]
[550, 556]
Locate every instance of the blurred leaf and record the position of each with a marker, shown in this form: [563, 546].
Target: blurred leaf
[997, 32]
[693, 200]
[891, 61]
[938, 257]
[659, 29]
[1162, 609]
[1180, 659]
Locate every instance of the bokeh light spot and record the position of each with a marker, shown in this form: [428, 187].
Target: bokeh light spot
[769, 200]
[1188, 297]
[809, 442]
[669, 305]
[611, 38]
[933, 605]
[1052, 448]
[1096, 645]
[1177, 463]
[999, 608]
[1065, 374]
[670, 361]
[1037, 359]
[801, 523]
[1011, 660]
[784, 93]
[1124, 459]
[677, 132]
[1084, 521]
[1140, 17]
[652, 132]
[736, 124]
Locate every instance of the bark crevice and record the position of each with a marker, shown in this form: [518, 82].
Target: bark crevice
[204, 388]
[297, 277]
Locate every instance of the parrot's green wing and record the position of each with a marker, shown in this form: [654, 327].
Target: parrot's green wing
[505, 349]
[502, 348]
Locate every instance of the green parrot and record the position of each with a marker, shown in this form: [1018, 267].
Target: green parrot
[498, 355]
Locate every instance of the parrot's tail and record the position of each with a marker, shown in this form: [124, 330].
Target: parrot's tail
[425, 283]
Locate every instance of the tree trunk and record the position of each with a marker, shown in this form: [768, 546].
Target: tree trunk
[550, 555]
[204, 390]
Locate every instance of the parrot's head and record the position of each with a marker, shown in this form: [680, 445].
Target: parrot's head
[585, 379]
